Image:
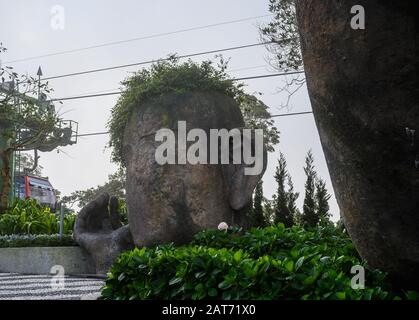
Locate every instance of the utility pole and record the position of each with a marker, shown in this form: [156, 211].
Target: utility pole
[39, 74]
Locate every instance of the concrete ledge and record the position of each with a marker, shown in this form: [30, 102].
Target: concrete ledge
[40, 260]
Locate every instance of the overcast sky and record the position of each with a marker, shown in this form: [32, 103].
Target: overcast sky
[26, 30]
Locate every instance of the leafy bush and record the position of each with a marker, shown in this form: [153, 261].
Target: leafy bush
[269, 263]
[278, 241]
[28, 217]
[14, 241]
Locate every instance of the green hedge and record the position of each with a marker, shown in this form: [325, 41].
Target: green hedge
[281, 242]
[14, 241]
[269, 263]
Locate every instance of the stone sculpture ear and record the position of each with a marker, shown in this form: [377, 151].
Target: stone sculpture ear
[242, 178]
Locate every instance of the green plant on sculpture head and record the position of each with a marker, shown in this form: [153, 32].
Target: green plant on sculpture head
[168, 76]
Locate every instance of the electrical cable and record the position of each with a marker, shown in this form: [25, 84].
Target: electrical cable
[107, 44]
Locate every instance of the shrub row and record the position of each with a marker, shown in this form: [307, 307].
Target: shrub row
[281, 242]
[269, 263]
[14, 241]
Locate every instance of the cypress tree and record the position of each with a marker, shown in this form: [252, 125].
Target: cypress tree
[292, 198]
[268, 210]
[322, 201]
[281, 210]
[257, 214]
[310, 216]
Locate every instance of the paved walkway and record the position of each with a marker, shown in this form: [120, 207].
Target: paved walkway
[44, 287]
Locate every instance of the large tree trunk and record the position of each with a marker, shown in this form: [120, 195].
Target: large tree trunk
[363, 87]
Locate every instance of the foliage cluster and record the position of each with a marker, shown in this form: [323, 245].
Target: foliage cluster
[283, 32]
[270, 263]
[27, 121]
[28, 217]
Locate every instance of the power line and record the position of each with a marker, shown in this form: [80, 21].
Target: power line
[267, 75]
[94, 92]
[291, 114]
[87, 96]
[119, 92]
[155, 60]
[107, 44]
[248, 68]
[115, 89]
[272, 116]
[91, 134]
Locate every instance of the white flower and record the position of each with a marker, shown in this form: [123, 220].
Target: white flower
[222, 226]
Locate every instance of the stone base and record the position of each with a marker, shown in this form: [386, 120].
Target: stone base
[40, 260]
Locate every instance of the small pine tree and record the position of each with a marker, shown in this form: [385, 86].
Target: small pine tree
[310, 217]
[269, 210]
[257, 214]
[281, 210]
[322, 201]
[292, 198]
[298, 217]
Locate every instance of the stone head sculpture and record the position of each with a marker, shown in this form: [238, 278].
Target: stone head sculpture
[171, 201]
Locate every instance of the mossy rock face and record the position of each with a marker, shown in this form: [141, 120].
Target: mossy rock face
[364, 90]
[170, 203]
